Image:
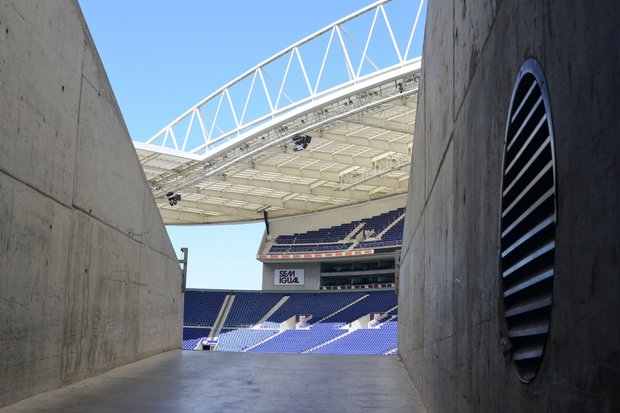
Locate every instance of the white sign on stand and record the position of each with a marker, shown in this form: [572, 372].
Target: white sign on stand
[288, 277]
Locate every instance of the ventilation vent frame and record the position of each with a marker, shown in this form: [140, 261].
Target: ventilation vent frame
[527, 222]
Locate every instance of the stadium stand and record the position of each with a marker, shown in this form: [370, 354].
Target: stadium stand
[248, 308]
[191, 337]
[318, 305]
[335, 311]
[202, 307]
[380, 222]
[363, 341]
[376, 302]
[393, 236]
[375, 232]
[286, 249]
[327, 326]
[323, 235]
[296, 341]
[239, 340]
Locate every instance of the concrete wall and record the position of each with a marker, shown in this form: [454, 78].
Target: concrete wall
[89, 280]
[449, 286]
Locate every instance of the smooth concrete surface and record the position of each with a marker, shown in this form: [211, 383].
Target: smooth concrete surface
[450, 338]
[88, 277]
[197, 381]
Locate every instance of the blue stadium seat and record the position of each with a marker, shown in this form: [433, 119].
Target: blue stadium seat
[332, 239]
[364, 341]
[249, 307]
[377, 301]
[202, 307]
[297, 341]
[191, 337]
[318, 305]
[239, 340]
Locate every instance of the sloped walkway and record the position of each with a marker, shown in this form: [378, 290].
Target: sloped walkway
[197, 381]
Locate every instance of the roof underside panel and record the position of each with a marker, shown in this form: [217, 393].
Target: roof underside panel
[356, 158]
[329, 147]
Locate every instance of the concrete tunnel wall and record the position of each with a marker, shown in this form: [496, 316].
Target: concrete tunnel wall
[89, 279]
[449, 326]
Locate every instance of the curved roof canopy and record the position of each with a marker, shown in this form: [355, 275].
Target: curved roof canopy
[335, 129]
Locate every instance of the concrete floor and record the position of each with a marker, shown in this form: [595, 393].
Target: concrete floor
[188, 381]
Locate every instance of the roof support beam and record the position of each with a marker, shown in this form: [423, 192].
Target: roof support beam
[223, 209]
[410, 103]
[264, 201]
[301, 173]
[154, 170]
[302, 189]
[383, 181]
[381, 124]
[336, 158]
[180, 217]
[398, 147]
[299, 205]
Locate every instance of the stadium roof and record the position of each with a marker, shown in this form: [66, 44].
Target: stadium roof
[299, 144]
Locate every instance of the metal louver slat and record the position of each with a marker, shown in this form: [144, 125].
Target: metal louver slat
[525, 98]
[530, 139]
[528, 217]
[528, 259]
[522, 127]
[535, 303]
[532, 329]
[550, 220]
[543, 198]
[527, 189]
[527, 165]
[529, 282]
[529, 352]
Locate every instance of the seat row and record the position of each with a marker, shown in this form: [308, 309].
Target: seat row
[338, 238]
[248, 308]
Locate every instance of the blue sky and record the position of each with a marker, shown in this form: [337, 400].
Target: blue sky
[162, 57]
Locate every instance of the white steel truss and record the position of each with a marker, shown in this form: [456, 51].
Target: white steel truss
[234, 154]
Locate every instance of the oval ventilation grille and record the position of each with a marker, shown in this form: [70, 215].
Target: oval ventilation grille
[528, 221]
